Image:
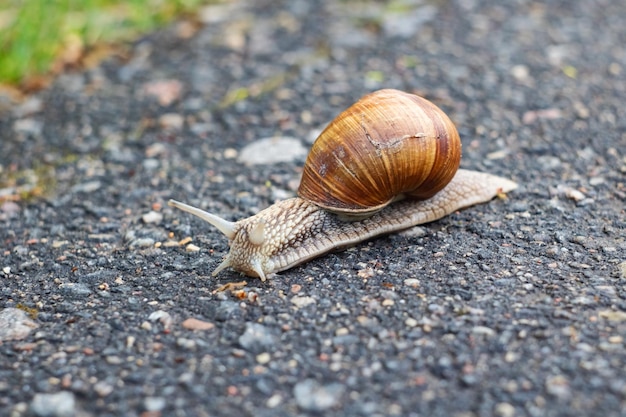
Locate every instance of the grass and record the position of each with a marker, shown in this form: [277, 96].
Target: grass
[36, 34]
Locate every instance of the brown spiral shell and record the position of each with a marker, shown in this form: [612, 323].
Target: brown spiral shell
[387, 146]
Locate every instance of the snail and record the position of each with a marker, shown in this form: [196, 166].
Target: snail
[387, 163]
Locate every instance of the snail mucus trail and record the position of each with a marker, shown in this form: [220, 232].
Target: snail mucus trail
[387, 163]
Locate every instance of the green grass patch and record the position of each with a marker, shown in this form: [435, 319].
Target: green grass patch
[34, 33]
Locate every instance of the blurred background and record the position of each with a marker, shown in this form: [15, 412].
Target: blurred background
[39, 38]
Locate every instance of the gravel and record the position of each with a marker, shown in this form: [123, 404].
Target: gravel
[512, 308]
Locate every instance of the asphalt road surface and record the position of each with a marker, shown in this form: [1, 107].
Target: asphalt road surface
[512, 308]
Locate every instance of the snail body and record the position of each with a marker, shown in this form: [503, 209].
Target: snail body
[397, 150]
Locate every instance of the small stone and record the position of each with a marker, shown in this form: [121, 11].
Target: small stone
[302, 301]
[365, 273]
[87, 187]
[412, 282]
[613, 315]
[342, 331]
[272, 151]
[484, 331]
[103, 389]
[165, 91]
[257, 338]
[6, 270]
[154, 404]
[574, 194]
[156, 149]
[28, 125]
[311, 396]
[195, 324]
[501, 154]
[75, 289]
[504, 410]
[186, 343]
[274, 401]
[152, 217]
[520, 72]
[230, 153]
[191, 248]
[9, 207]
[162, 316]
[150, 164]
[411, 322]
[60, 404]
[102, 237]
[113, 360]
[59, 243]
[30, 106]
[15, 324]
[173, 121]
[558, 386]
[263, 358]
[142, 242]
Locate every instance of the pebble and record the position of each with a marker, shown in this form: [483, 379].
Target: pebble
[103, 388]
[162, 316]
[412, 282]
[28, 125]
[302, 301]
[611, 315]
[75, 289]
[311, 396]
[274, 401]
[113, 360]
[150, 164]
[87, 187]
[165, 91]
[571, 193]
[15, 324]
[10, 207]
[622, 269]
[186, 343]
[257, 338]
[195, 324]
[154, 403]
[230, 153]
[56, 244]
[272, 150]
[411, 322]
[504, 410]
[191, 248]
[558, 386]
[152, 217]
[60, 404]
[263, 358]
[142, 242]
[30, 106]
[173, 121]
[484, 331]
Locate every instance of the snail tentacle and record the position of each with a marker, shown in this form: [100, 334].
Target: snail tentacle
[224, 226]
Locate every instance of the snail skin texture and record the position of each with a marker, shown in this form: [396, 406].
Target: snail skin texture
[398, 151]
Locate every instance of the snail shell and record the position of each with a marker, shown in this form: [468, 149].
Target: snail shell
[387, 146]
